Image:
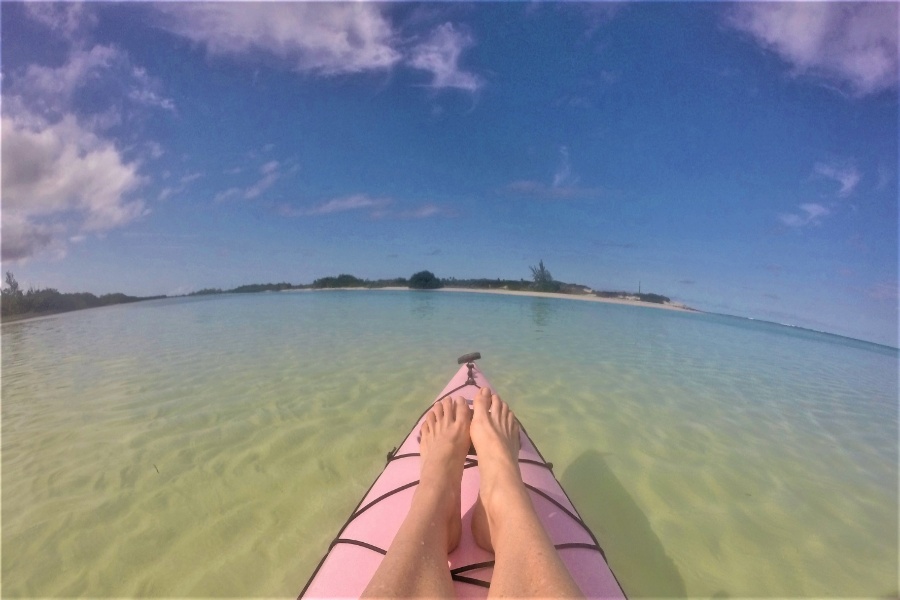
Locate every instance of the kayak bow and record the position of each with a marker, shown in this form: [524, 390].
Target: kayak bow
[357, 550]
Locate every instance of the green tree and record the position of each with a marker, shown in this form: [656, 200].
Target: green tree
[12, 296]
[425, 280]
[543, 280]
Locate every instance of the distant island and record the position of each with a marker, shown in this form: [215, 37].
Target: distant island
[16, 304]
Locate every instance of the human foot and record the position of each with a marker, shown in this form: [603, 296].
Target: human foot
[495, 435]
[443, 446]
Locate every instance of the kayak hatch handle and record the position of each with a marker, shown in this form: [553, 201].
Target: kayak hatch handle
[465, 358]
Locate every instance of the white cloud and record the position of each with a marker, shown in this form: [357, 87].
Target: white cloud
[354, 202]
[145, 90]
[811, 214]
[854, 44]
[270, 174]
[847, 176]
[49, 91]
[376, 208]
[67, 19]
[321, 38]
[229, 194]
[563, 187]
[60, 180]
[191, 177]
[439, 55]
[269, 177]
[426, 211]
[563, 176]
[326, 38]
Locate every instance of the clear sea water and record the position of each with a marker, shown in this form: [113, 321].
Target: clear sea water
[213, 446]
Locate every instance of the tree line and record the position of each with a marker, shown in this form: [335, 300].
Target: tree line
[48, 300]
[14, 301]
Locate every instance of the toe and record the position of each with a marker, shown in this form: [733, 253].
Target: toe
[482, 402]
[462, 412]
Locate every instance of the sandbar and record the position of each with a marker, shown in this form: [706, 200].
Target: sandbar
[630, 301]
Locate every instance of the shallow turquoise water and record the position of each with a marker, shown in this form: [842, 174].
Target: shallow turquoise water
[213, 446]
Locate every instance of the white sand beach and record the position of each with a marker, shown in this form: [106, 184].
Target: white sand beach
[629, 300]
[633, 301]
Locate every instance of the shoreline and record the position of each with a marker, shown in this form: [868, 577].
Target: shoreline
[583, 297]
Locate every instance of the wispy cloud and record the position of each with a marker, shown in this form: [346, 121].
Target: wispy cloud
[425, 211]
[440, 54]
[191, 177]
[269, 175]
[50, 91]
[810, 214]
[813, 213]
[336, 205]
[355, 202]
[323, 38]
[67, 19]
[563, 176]
[849, 43]
[564, 185]
[847, 177]
[375, 208]
[319, 37]
[186, 180]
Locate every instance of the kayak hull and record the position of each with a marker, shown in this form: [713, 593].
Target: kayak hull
[360, 546]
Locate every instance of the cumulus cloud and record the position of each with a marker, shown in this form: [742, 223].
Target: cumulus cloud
[439, 55]
[59, 180]
[322, 38]
[63, 176]
[847, 177]
[853, 44]
[810, 214]
[326, 38]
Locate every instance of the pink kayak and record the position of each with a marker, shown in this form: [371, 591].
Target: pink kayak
[364, 539]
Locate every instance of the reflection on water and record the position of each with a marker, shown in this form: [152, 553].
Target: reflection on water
[542, 311]
[422, 304]
[213, 446]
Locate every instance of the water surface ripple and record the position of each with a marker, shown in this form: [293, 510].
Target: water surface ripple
[213, 446]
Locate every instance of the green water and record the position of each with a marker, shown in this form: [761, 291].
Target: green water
[214, 446]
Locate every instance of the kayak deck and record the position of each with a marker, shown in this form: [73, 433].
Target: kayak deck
[362, 542]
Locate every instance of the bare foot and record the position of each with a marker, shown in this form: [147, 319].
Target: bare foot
[495, 435]
[443, 446]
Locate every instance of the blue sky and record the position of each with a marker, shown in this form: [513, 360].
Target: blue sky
[741, 158]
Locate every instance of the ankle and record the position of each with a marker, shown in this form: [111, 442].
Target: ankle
[502, 493]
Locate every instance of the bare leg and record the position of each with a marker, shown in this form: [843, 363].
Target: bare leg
[416, 562]
[526, 563]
